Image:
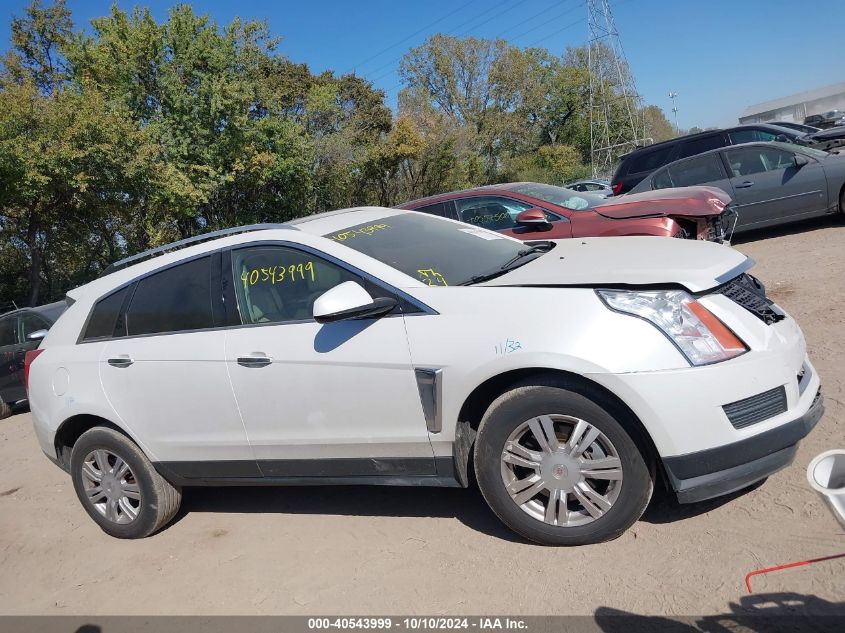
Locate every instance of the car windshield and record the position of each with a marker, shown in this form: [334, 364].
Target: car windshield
[566, 198]
[807, 151]
[438, 252]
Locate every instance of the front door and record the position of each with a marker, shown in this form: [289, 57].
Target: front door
[334, 400]
[769, 188]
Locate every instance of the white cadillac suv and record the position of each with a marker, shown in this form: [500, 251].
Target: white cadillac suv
[377, 346]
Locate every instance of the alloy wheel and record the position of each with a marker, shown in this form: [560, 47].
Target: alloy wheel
[561, 470]
[110, 486]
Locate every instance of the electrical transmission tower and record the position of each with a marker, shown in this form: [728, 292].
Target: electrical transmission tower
[616, 120]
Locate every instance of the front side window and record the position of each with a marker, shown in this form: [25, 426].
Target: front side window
[275, 284]
[490, 212]
[437, 252]
[754, 160]
[173, 300]
[696, 171]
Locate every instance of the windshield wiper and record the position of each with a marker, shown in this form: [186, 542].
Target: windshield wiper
[512, 263]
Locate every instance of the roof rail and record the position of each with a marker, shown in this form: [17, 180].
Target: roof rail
[196, 239]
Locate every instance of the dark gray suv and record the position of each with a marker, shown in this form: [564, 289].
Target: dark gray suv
[644, 160]
[20, 331]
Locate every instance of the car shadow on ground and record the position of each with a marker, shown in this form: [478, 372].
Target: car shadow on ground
[756, 613]
[804, 226]
[664, 506]
[465, 505]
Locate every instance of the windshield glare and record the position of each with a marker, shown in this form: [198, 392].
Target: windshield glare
[566, 198]
[437, 252]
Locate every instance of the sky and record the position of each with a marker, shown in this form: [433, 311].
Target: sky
[719, 56]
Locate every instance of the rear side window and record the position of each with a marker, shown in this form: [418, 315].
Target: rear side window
[32, 323]
[696, 171]
[441, 209]
[701, 145]
[8, 331]
[174, 300]
[650, 161]
[103, 319]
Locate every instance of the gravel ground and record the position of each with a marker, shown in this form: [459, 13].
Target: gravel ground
[429, 551]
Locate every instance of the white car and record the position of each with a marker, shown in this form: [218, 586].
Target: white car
[377, 346]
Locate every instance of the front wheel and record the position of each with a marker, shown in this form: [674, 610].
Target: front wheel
[558, 469]
[118, 486]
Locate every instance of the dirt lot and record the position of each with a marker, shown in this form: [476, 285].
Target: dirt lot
[428, 551]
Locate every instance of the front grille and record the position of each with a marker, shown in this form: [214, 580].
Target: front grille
[763, 406]
[751, 295]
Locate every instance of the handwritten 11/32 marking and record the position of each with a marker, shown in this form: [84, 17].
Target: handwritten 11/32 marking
[508, 346]
[364, 230]
[278, 274]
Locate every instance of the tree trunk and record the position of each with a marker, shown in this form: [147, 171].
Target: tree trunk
[34, 259]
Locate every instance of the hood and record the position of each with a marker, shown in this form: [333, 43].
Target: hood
[631, 261]
[834, 132]
[677, 202]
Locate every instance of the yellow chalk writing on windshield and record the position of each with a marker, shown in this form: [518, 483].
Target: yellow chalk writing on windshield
[431, 277]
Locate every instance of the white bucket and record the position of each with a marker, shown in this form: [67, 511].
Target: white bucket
[826, 474]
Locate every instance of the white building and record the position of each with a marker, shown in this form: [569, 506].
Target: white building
[796, 107]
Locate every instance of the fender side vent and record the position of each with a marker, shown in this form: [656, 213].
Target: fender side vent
[748, 411]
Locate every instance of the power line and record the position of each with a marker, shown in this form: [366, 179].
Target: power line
[550, 20]
[558, 32]
[412, 35]
[454, 33]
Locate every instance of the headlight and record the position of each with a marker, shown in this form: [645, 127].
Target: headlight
[695, 331]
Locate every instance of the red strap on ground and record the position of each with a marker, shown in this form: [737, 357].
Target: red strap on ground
[786, 566]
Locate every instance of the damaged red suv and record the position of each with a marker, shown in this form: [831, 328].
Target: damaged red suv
[524, 209]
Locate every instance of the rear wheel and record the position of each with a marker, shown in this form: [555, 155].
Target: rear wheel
[118, 486]
[558, 469]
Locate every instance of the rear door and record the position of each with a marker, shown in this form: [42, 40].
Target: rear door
[699, 170]
[769, 188]
[165, 376]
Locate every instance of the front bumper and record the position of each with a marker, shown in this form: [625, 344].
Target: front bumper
[725, 469]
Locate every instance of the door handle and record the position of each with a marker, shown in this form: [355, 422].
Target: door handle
[121, 361]
[254, 361]
[745, 184]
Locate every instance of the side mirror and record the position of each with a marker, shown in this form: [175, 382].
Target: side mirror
[37, 335]
[533, 220]
[349, 301]
[800, 161]
[782, 138]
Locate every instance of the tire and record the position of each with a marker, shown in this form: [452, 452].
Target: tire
[842, 201]
[618, 501]
[5, 410]
[133, 502]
